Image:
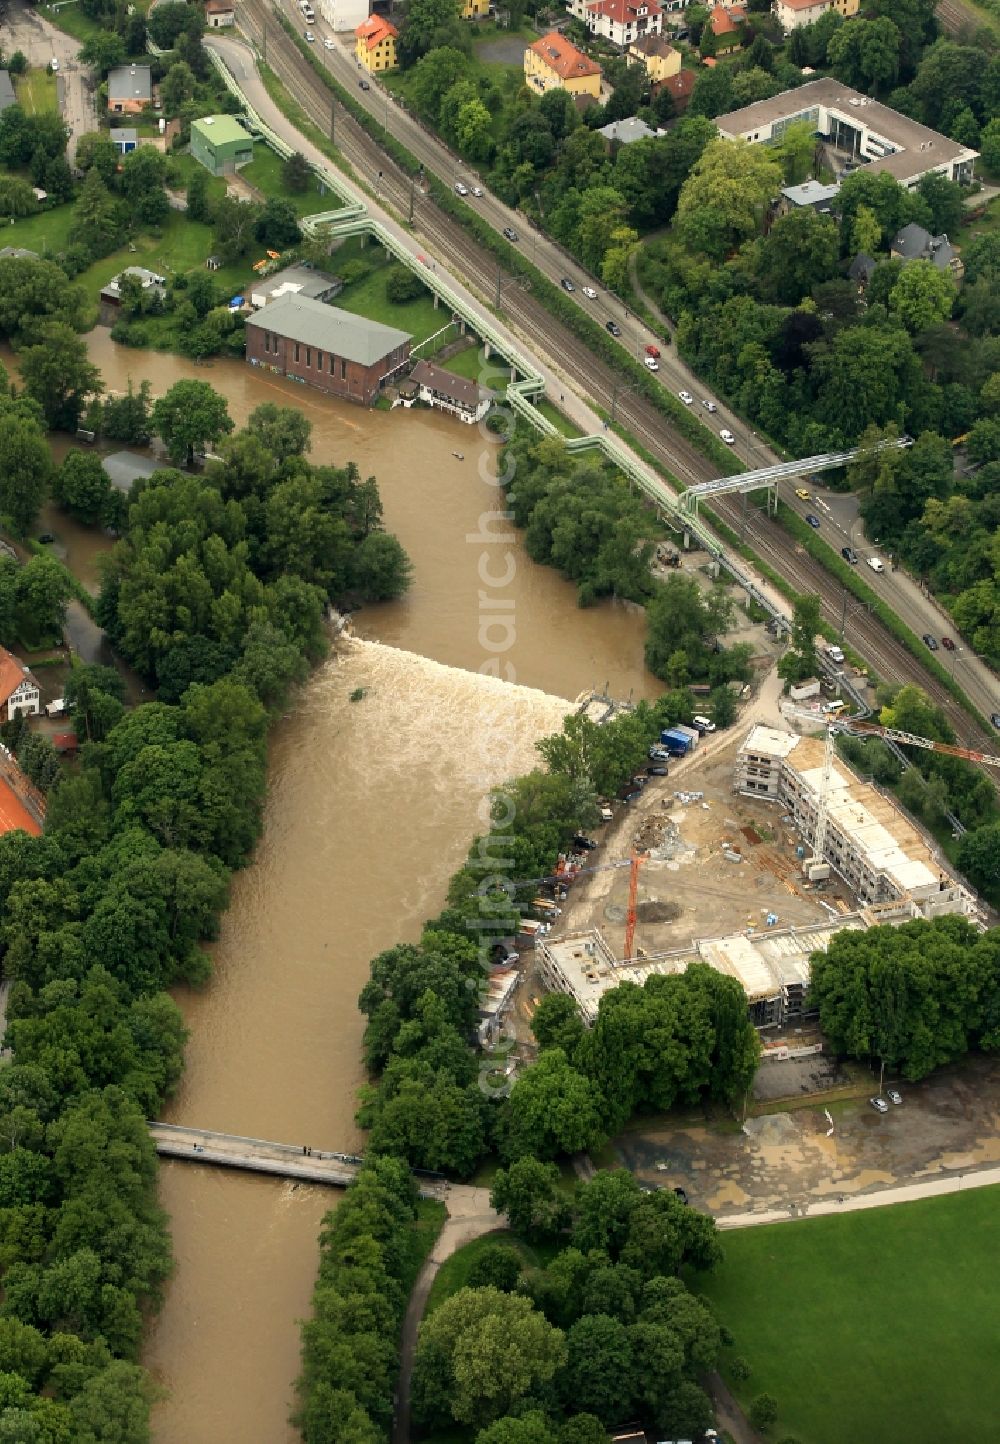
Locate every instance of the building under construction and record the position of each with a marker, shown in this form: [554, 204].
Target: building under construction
[850, 824]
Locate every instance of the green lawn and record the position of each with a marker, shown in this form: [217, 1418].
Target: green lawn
[367, 298]
[265, 172]
[553, 414]
[36, 91]
[72, 19]
[875, 1326]
[48, 232]
[454, 1272]
[467, 363]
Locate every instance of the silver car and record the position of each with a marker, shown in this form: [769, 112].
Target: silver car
[879, 1104]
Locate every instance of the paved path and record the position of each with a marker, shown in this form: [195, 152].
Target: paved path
[882, 1198]
[644, 296]
[27, 30]
[469, 1216]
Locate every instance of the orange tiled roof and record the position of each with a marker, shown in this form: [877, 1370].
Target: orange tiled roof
[562, 57]
[622, 11]
[722, 21]
[374, 30]
[12, 674]
[13, 813]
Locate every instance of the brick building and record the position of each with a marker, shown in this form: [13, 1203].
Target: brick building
[333, 350]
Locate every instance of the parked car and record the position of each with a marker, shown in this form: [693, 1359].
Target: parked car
[511, 235]
[894, 1096]
[54, 65]
[876, 564]
[802, 493]
[710, 406]
[477, 191]
[654, 351]
[364, 85]
[585, 844]
[657, 770]
[686, 397]
[879, 1104]
[567, 284]
[995, 719]
[931, 642]
[702, 724]
[813, 519]
[727, 436]
[947, 644]
[651, 363]
[329, 44]
[46, 538]
[310, 38]
[590, 293]
[613, 327]
[681, 1193]
[461, 189]
[849, 555]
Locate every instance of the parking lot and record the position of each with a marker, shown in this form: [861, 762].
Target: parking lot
[947, 1125]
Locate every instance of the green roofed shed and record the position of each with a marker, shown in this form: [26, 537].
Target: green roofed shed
[220, 143]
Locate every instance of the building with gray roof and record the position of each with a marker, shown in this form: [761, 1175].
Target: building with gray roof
[334, 350]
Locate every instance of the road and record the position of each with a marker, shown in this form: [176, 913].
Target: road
[25, 29]
[533, 325]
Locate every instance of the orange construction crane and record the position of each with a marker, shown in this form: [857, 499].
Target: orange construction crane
[637, 861]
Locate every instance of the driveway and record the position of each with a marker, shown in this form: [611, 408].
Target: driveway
[26, 30]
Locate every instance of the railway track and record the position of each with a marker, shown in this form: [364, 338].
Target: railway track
[889, 658]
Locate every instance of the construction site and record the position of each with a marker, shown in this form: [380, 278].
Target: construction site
[756, 849]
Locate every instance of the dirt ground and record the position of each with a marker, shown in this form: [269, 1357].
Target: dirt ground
[947, 1125]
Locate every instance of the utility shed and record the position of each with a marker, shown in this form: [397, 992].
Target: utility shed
[220, 144]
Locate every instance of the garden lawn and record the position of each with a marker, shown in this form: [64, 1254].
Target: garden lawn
[36, 91]
[266, 173]
[72, 19]
[875, 1326]
[454, 1272]
[367, 298]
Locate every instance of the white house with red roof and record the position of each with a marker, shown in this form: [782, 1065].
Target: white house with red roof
[620, 21]
[19, 692]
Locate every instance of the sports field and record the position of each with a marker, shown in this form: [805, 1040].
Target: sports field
[874, 1326]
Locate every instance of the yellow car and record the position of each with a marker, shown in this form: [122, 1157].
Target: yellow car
[801, 493]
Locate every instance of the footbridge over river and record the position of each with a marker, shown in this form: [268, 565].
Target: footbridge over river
[258, 1155]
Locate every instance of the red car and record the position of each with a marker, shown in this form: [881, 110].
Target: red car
[947, 644]
[653, 351]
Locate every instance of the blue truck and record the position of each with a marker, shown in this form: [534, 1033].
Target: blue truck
[677, 743]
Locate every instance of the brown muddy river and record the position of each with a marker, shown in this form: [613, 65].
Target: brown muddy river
[370, 808]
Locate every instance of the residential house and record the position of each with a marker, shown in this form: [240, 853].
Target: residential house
[552, 63]
[323, 346]
[124, 468]
[375, 44]
[660, 58]
[221, 144]
[455, 394]
[220, 14]
[295, 281]
[793, 14]
[17, 253]
[344, 15]
[156, 285]
[19, 692]
[624, 132]
[870, 133]
[130, 89]
[622, 21]
[679, 87]
[22, 807]
[810, 195]
[7, 96]
[474, 9]
[726, 25]
[915, 244]
[125, 139]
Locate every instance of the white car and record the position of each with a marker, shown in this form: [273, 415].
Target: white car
[53, 65]
[310, 38]
[460, 189]
[727, 436]
[703, 724]
[651, 363]
[686, 397]
[876, 564]
[478, 192]
[590, 293]
[710, 406]
[329, 44]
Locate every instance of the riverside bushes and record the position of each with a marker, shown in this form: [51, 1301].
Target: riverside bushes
[216, 593]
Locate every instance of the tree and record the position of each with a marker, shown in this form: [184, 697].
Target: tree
[923, 296]
[82, 487]
[58, 374]
[97, 151]
[235, 227]
[946, 201]
[866, 232]
[529, 1193]
[25, 469]
[190, 417]
[800, 251]
[100, 222]
[434, 75]
[763, 1412]
[722, 202]
[296, 173]
[127, 417]
[428, 25]
[473, 129]
[196, 195]
[402, 285]
[479, 1353]
[167, 22]
[278, 226]
[979, 857]
[16, 197]
[552, 1110]
[989, 143]
[103, 51]
[556, 1023]
[176, 87]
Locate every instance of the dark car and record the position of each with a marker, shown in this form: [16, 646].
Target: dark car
[657, 771]
[995, 719]
[511, 234]
[567, 284]
[849, 555]
[364, 85]
[947, 644]
[584, 844]
[613, 327]
[681, 1193]
[931, 642]
[812, 519]
[46, 537]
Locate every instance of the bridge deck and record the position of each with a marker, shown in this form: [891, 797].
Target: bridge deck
[256, 1155]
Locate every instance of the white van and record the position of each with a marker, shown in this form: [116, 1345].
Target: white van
[835, 654]
[876, 564]
[832, 709]
[703, 724]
